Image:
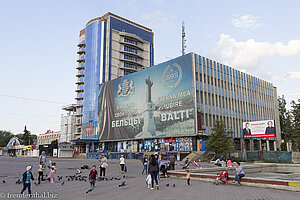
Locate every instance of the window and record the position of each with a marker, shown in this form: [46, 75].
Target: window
[126, 72]
[129, 49]
[130, 41]
[130, 58]
[130, 66]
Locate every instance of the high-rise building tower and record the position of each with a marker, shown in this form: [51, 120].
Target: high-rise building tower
[109, 47]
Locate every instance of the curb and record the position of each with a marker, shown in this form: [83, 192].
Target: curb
[253, 182]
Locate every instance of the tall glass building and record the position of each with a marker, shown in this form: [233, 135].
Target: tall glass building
[109, 47]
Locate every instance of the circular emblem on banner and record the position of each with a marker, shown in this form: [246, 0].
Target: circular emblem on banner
[172, 76]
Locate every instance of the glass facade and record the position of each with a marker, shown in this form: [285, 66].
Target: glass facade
[233, 96]
[94, 71]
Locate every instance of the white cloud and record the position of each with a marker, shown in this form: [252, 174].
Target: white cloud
[156, 19]
[248, 54]
[246, 21]
[292, 75]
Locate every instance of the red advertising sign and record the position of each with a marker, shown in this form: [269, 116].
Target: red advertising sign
[88, 130]
[168, 140]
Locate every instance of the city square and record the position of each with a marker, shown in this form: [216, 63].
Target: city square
[150, 99]
[135, 188]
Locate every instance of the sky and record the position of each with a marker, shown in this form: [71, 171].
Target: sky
[39, 45]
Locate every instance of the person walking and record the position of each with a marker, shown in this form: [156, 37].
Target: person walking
[103, 166]
[153, 171]
[239, 173]
[43, 159]
[52, 174]
[27, 177]
[188, 177]
[172, 162]
[40, 172]
[122, 163]
[145, 164]
[159, 163]
[92, 178]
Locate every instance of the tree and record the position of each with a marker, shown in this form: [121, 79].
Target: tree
[296, 124]
[5, 136]
[285, 118]
[219, 142]
[26, 138]
[54, 142]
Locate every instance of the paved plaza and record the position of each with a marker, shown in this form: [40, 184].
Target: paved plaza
[11, 168]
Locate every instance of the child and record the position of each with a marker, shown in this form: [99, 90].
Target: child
[149, 181]
[41, 172]
[52, 174]
[92, 176]
[188, 177]
[27, 177]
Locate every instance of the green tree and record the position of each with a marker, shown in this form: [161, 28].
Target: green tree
[54, 142]
[5, 136]
[285, 118]
[219, 142]
[296, 124]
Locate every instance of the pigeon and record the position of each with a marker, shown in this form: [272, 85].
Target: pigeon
[124, 176]
[168, 185]
[173, 185]
[4, 181]
[111, 178]
[122, 184]
[106, 179]
[59, 177]
[117, 178]
[36, 184]
[18, 181]
[62, 183]
[68, 179]
[78, 171]
[89, 190]
[76, 178]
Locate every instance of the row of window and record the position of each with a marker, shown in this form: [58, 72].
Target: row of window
[129, 49]
[130, 65]
[211, 67]
[250, 98]
[130, 58]
[130, 41]
[126, 72]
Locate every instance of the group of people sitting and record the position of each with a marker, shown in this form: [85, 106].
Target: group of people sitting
[223, 162]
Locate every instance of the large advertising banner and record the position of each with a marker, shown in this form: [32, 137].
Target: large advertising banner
[259, 129]
[153, 103]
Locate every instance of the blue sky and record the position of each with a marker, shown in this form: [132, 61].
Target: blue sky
[39, 45]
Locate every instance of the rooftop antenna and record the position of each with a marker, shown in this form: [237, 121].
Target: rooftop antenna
[183, 39]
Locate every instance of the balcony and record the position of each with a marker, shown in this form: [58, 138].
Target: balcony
[78, 115]
[78, 124]
[81, 45]
[78, 98]
[79, 105]
[128, 68]
[81, 60]
[80, 83]
[80, 67]
[80, 52]
[79, 75]
[79, 90]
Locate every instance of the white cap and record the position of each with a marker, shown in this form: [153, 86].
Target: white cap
[28, 168]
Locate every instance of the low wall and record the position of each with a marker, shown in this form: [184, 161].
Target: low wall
[296, 157]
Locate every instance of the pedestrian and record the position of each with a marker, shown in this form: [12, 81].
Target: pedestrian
[159, 163]
[148, 181]
[92, 176]
[122, 163]
[172, 162]
[43, 158]
[239, 173]
[145, 165]
[103, 166]
[27, 177]
[52, 174]
[153, 171]
[188, 177]
[40, 172]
